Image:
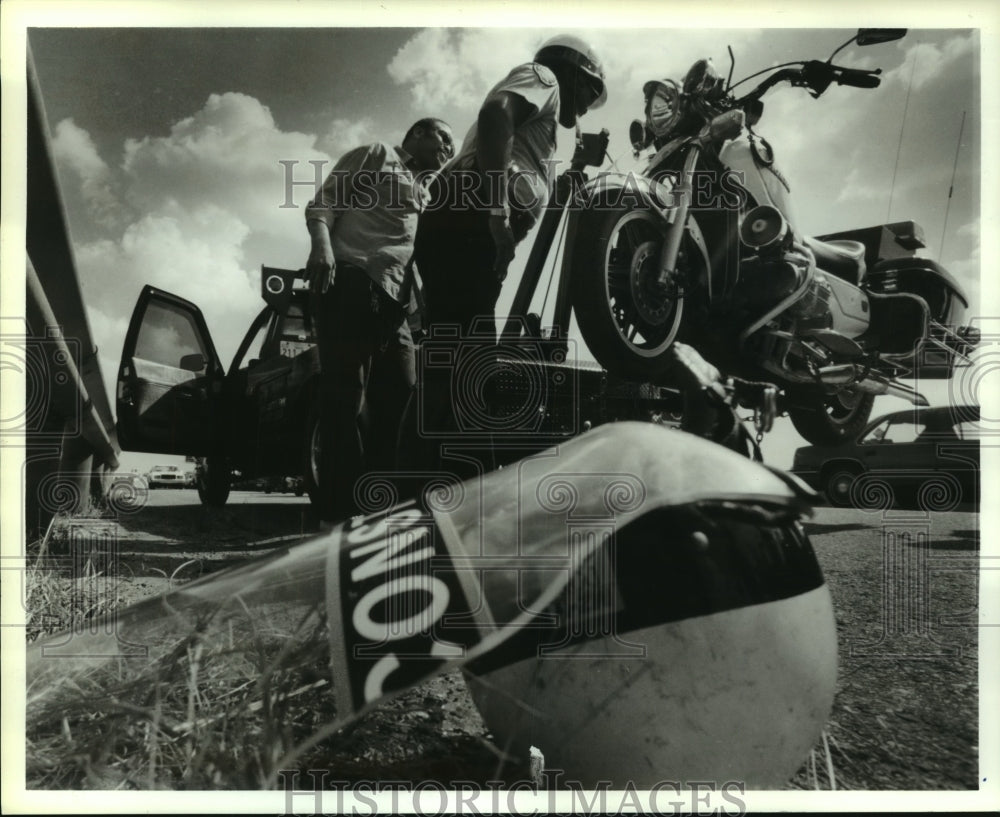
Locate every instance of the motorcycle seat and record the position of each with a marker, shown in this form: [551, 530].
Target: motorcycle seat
[840, 257]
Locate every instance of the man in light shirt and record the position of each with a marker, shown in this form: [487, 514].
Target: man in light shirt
[362, 225]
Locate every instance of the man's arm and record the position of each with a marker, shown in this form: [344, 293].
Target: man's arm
[332, 199]
[498, 118]
[321, 265]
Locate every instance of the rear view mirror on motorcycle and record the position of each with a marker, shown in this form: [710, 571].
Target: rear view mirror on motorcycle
[875, 36]
[871, 36]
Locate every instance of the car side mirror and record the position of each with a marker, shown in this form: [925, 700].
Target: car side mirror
[875, 36]
[194, 362]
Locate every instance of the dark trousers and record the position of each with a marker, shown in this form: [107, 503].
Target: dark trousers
[367, 375]
[455, 253]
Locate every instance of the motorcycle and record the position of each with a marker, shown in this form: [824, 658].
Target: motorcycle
[703, 247]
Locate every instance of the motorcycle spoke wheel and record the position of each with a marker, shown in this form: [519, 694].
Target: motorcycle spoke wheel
[628, 321]
[646, 316]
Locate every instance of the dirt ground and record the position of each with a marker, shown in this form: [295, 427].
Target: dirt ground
[904, 586]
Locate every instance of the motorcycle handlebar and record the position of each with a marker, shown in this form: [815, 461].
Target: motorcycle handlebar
[816, 76]
[858, 78]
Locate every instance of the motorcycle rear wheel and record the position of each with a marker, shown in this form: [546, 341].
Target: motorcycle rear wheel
[834, 419]
[628, 324]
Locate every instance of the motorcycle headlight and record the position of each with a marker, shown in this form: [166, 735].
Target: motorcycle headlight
[663, 108]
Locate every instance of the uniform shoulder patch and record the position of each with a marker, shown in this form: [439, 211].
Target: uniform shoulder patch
[545, 75]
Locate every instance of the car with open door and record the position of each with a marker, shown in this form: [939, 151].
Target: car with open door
[923, 456]
[257, 417]
[257, 420]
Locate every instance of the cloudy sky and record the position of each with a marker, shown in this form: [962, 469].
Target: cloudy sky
[170, 142]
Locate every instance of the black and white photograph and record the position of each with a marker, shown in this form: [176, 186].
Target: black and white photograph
[456, 408]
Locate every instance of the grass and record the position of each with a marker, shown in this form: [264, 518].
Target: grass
[238, 693]
[225, 699]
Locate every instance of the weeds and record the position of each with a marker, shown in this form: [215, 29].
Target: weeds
[232, 683]
[180, 692]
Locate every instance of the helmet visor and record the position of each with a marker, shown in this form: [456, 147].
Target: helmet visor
[594, 87]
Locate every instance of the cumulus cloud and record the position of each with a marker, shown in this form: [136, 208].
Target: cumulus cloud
[187, 206]
[344, 134]
[930, 62]
[195, 253]
[228, 153]
[75, 152]
[458, 66]
[859, 187]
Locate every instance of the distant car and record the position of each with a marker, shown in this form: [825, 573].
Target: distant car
[257, 422]
[127, 491]
[926, 455]
[167, 476]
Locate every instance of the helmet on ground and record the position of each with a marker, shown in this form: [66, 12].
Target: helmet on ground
[576, 52]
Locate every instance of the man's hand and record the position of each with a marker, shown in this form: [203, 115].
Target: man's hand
[503, 239]
[321, 267]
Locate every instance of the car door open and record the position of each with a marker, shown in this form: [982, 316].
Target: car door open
[169, 378]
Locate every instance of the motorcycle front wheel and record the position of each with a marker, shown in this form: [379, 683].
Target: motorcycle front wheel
[628, 323]
[833, 419]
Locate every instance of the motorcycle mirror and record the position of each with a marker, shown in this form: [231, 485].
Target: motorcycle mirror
[874, 36]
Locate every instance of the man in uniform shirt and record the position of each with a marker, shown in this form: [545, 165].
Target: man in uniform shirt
[486, 200]
[362, 225]
[466, 236]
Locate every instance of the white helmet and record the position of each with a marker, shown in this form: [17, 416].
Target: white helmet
[576, 52]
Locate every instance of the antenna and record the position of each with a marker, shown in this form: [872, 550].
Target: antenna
[732, 65]
[951, 188]
[902, 125]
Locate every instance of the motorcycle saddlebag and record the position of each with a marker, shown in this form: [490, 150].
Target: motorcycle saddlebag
[945, 345]
[925, 278]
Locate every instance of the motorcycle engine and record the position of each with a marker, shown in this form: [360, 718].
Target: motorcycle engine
[813, 308]
[764, 282]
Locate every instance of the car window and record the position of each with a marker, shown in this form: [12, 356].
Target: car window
[903, 431]
[876, 434]
[970, 430]
[909, 431]
[255, 351]
[167, 334]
